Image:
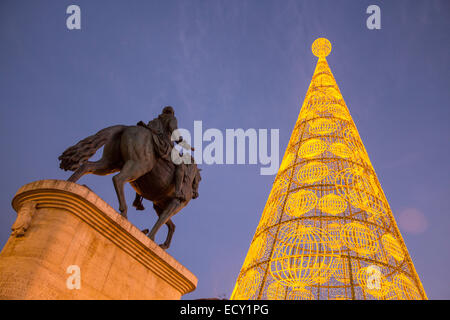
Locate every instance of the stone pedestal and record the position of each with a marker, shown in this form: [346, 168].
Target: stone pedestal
[66, 237]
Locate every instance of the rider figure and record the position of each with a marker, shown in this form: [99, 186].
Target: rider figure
[163, 128]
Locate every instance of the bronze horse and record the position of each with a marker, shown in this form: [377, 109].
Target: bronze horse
[130, 151]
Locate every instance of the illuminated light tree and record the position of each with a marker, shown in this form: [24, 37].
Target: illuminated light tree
[327, 231]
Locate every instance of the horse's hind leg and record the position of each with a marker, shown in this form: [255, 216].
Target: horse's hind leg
[173, 207]
[100, 167]
[171, 226]
[130, 172]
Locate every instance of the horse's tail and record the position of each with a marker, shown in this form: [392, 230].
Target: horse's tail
[74, 156]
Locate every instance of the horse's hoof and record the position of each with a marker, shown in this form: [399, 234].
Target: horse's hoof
[138, 205]
[163, 246]
[145, 231]
[124, 214]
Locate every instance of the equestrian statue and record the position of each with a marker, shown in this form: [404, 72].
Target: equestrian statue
[143, 155]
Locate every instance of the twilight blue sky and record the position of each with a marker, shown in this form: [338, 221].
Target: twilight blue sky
[232, 64]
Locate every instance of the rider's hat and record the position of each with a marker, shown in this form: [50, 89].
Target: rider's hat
[168, 110]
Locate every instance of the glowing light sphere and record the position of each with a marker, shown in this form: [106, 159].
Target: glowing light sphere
[299, 256]
[342, 269]
[276, 291]
[312, 172]
[248, 285]
[373, 282]
[332, 204]
[322, 126]
[355, 187]
[300, 203]
[341, 150]
[312, 148]
[406, 290]
[321, 47]
[359, 238]
[300, 294]
[361, 192]
[393, 247]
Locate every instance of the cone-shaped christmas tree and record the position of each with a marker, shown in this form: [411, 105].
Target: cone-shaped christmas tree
[327, 231]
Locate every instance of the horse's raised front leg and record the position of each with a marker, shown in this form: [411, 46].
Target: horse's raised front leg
[172, 208]
[130, 171]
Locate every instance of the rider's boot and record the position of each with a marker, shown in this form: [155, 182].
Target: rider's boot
[137, 203]
[179, 175]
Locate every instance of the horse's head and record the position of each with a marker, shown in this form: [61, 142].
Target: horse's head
[196, 182]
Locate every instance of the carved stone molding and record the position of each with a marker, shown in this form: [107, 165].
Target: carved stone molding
[23, 220]
[72, 225]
